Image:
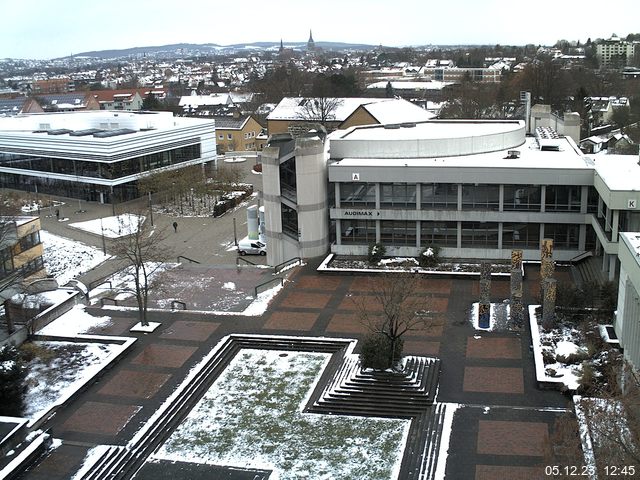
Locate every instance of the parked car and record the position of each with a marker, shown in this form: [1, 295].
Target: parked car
[251, 247]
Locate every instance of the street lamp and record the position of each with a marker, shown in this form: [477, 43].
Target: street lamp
[150, 210]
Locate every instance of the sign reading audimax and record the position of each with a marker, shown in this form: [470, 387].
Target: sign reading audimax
[361, 213]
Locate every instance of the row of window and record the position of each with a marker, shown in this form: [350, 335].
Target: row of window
[247, 136]
[83, 168]
[472, 234]
[558, 198]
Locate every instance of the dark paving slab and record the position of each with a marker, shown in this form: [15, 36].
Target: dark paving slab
[100, 418]
[493, 380]
[61, 463]
[497, 348]
[302, 321]
[421, 347]
[497, 437]
[160, 355]
[189, 330]
[498, 472]
[303, 299]
[134, 384]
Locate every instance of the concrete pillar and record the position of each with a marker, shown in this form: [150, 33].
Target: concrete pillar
[584, 199]
[516, 308]
[252, 222]
[459, 197]
[501, 198]
[484, 309]
[549, 304]
[543, 198]
[612, 267]
[615, 220]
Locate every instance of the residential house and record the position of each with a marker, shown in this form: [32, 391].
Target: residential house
[126, 99]
[237, 133]
[20, 248]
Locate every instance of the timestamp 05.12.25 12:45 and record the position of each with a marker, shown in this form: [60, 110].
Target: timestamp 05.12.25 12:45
[622, 471]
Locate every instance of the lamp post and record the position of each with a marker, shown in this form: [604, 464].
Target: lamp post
[104, 244]
[150, 210]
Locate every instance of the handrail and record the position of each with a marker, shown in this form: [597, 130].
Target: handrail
[278, 268]
[581, 256]
[277, 279]
[115, 302]
[178, 302]
[238, 259]
[186, 258]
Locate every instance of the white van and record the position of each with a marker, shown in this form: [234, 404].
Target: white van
[251, 247]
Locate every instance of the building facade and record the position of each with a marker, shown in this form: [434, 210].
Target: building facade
[20, 247]
[477, 189]
[616, 53]
[98, 156]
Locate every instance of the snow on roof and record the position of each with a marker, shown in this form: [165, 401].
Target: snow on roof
[292, 108]
[196, 100]
[632, 239]
[398, 111]
[531, 157]
[619, 172]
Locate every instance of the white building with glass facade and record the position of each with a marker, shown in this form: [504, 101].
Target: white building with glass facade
[477, 189]
[98, 155]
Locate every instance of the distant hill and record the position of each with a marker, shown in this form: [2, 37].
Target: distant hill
[212, 48]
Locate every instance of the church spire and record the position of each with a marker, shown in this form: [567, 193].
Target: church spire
[281, 46]
[311, 45]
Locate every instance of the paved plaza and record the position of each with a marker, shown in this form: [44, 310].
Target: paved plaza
[499, 431]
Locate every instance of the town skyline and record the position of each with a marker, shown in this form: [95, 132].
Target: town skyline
[89, 27]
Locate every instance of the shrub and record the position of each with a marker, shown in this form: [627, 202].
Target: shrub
[257, 167]
[429, 257]
[12, 384]
[376, 351]
[376, 252]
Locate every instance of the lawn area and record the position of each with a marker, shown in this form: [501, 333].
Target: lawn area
[252, 417]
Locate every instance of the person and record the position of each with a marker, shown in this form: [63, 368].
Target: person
[175, 227]
[58, 214]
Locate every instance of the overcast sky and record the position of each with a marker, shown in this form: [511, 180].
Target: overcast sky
[50, 29]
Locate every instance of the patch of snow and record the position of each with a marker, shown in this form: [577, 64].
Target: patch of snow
[67, 259]
[112, 227]
[229, 286]
[92, 456]
[75, 321]
[445, 440]
[498, 314]
[138, 327]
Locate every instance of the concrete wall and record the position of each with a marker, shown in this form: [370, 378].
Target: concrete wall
[627, 326]
[569, 126]
[271, 197]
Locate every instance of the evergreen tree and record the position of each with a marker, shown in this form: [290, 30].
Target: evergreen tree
[12, 386]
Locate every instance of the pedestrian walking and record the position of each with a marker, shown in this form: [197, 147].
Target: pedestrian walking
[175, 227]
[58, 214]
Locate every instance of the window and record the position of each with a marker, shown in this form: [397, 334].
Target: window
[358, 231]
[564, 236]
[562, 198]
[362, 195]
[439, 195]
[29, 241]
[398, 195]
[520, 235]
[221, 137]
[480, 197]
[289, 221]
[398, 232]
[522, 197]
[229, 136]
[442, 234]
[480, 234]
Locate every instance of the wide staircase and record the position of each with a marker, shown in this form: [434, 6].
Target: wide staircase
[588, 270]
[344, 389]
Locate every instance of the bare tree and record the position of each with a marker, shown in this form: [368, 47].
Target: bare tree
[398, 306]
[320, 110]
[143, 253]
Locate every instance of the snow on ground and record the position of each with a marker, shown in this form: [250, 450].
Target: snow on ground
[124, 280]
[74, 322]
[252, 417]
[67, 259]
[229, 286]
[59, 369]
[112, 227]
[445, 439]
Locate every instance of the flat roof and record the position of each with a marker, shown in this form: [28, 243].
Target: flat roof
[633, 241]
[530, 157]
[619, 172]
[431, 130]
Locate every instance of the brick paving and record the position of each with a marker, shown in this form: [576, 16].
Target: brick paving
[512, 438]
[487, 347]
[133, 384]
[160, 355]
[100, 418]
[498, 472]
[493, 380]
[492, 370]
[303, 321]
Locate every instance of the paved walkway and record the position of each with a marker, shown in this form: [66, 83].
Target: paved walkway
[499, 433]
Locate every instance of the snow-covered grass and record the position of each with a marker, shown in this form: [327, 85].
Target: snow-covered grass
[252, 417]
[76, 321]
[58, 368]
[112, 227]
[123, 281]
[67, 259]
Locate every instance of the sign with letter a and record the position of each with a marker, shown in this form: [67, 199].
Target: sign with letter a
[355, 177]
